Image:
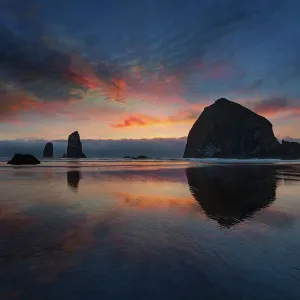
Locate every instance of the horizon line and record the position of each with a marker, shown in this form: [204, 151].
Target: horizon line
[103, 139]
[124, 139]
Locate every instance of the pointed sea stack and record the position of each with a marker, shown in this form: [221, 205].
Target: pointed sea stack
[48, 150]
[226, 129]
[74, 149]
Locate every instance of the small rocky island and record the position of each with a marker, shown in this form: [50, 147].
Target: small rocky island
[74, 149]
[227, 129]
[137, 157]
[23, 159]
[48, 150]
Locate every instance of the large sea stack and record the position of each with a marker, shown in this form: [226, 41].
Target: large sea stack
[48, 150]
[74, 149]
[226, 129]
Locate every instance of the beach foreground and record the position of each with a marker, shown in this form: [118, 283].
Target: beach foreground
[150, 230]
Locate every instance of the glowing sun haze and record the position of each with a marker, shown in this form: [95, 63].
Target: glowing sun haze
[144, 69]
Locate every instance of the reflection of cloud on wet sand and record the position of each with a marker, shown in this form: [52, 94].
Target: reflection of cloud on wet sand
[50, 242]
[142, 173]
[65, 227]
[12, 219]
[42, 235]
[58, 255]
[160, 202]
[120, 214]
[150, 190]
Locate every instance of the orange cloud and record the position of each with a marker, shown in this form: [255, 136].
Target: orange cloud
[84, 73]
[274, 111]
[185, 116]
[135, 83]
[14, 102]
[141, 120]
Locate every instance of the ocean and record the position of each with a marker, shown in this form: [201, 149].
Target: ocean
[153, 229]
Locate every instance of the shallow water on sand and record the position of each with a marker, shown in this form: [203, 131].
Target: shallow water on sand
[149, 230]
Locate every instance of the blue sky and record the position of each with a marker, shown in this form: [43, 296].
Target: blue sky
[144, 69]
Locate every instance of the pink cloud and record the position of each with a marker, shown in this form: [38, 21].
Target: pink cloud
[183, 116]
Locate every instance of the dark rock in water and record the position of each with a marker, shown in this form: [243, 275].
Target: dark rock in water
[48, 150]
[138, 157]
[23, 159]
[229, 130]
[142, 157]
[290, 150]
[74, 149]
[232, 194]
[64, 155]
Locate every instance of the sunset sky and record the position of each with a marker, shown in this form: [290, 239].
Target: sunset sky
[142, 69]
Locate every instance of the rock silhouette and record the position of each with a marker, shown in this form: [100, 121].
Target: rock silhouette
[231, 194]
[142, 157]
[48, 150]
[23, 159]
[74, 149]
[228, 130]
[290, 150]
[137, 157]
[73, 178]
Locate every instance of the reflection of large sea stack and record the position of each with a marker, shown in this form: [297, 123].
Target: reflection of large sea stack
[74, 149]
[231, 194]
[73, 178]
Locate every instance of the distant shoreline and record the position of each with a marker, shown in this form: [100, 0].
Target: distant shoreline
[170, 159]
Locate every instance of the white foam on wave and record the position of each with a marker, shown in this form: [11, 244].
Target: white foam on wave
[165, 159]
[243, 161]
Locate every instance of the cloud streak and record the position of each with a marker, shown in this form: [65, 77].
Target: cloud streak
[75, 61]
[274, 106]
[184, 116]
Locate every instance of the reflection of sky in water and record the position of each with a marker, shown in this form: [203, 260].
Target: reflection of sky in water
[150, 233]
